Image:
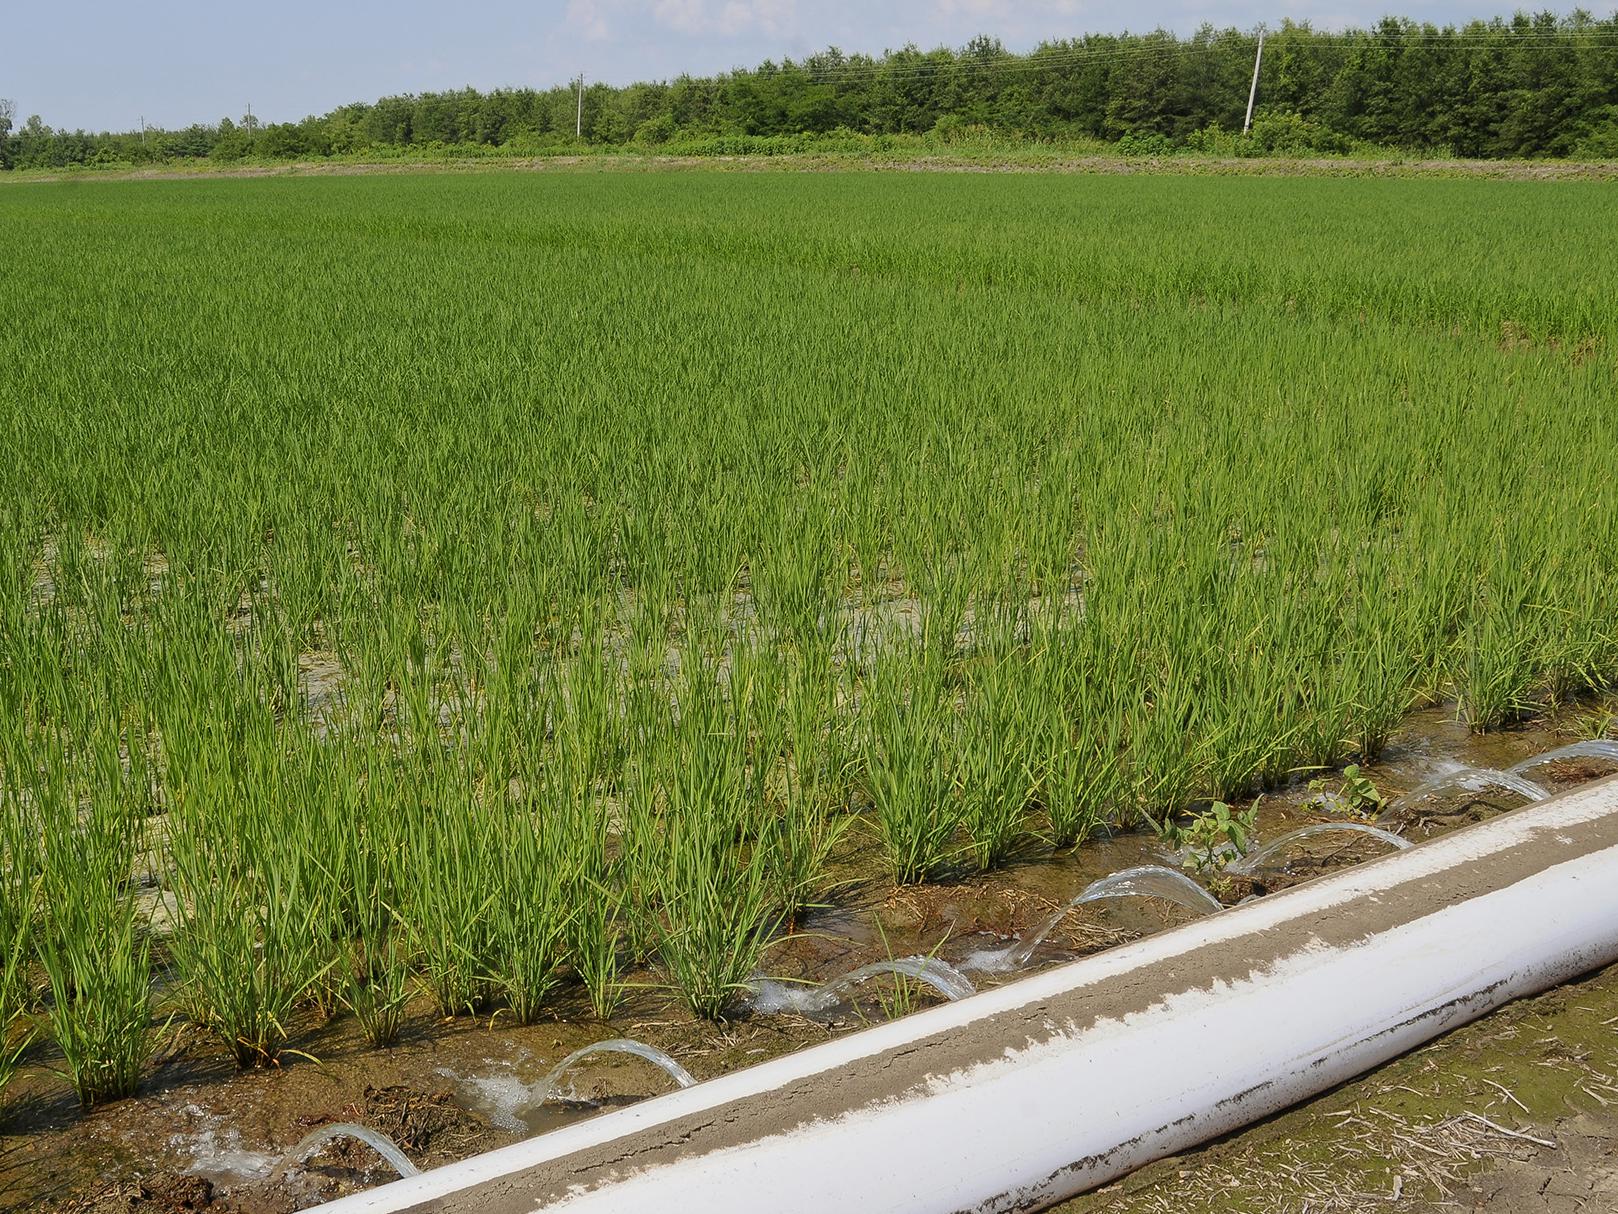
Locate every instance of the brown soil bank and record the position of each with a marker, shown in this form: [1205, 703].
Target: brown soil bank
[1011, 162]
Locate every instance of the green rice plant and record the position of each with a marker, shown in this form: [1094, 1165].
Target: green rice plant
[15, 1032]
[609, 889]
[943, 590]
[1597, 725]
[716, 911]
[994, 763]
[250, 951]
[905, 734]
[375, 984]
[1077, 730]
[907, 994]
[586, 718]
[796, 584]
[95, 955]
[799, 826]
[254, 936]
[19, 889]
[596, 944]
[1381, 674]
[450, 885]
[1576, 648]
[531, 913]
[1260, 491]
[1498, 672]
[1165, 751]
[1080, 778]
[363, 882]
[97, 961]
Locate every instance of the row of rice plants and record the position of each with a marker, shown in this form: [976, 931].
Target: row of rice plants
[543, 588]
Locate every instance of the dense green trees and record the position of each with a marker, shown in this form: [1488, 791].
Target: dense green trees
[1529, 86]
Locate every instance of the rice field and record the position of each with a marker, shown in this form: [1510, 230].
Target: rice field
[493, 592]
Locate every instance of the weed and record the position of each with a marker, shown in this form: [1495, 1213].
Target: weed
[1355, 795]
[1213, 837]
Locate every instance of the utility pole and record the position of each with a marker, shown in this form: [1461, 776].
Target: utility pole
[1252, 93]
[578, 126]
[143, 130]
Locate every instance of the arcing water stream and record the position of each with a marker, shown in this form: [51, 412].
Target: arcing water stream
[769, 996]
[505, 1099]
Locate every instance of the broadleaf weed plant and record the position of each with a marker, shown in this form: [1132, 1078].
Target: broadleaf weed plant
[1213, 837]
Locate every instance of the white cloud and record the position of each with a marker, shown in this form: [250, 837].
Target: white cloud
[973, 8]
[729, 19]
[1004, 9]
[589, 18]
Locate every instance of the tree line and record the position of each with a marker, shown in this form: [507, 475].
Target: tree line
[1531, 85]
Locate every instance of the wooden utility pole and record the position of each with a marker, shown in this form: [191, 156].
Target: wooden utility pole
[578, 125]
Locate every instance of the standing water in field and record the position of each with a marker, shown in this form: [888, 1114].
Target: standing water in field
[1149, 881]
[1144, 881]
[546, 1088]
[504, 1098]
[1598, 749]
[1463, 787]
[379, 1143]
[770, 996]
[1257, 860]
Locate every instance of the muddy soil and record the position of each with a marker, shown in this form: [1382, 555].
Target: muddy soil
[1010, 162]
[203, 1136]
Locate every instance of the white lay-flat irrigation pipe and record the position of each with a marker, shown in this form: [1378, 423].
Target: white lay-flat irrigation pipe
[1029, 1093]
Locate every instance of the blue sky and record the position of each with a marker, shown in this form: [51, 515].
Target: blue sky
[105, 65]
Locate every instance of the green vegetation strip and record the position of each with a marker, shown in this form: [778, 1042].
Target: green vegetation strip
[488, 583]
[1525, 87]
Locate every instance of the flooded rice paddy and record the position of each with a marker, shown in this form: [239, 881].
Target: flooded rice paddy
[338, 1116]
[375, 551]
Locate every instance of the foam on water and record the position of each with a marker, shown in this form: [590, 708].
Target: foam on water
[217, 1153]
[498, 1097]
